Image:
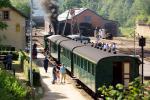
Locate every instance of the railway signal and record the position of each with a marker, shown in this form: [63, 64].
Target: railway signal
[142, 43]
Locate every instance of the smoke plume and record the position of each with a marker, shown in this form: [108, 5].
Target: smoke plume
[51, 9]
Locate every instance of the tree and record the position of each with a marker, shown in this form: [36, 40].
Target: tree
[68, 4]
[22, 5]
[4, 3]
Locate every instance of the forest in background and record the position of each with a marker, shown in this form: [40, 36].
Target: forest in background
[126, 12]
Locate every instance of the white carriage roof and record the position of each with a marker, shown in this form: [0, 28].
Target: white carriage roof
[57, 38]
[78, 37]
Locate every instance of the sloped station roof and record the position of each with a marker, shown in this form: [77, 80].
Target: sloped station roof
[63, 16]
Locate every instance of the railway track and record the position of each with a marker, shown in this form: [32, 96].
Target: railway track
[124, 45]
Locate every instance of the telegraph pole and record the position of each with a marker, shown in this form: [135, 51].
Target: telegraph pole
[31, 11]
[65, 22]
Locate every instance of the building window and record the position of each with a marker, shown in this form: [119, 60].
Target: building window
[87, 19]
[1, 15]
[17, 27]
[5, 15]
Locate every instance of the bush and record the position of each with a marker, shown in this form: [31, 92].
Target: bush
[11, 88]
[135, 91]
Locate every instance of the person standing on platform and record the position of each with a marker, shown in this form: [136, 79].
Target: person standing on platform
[62, 73]
[9, 61]
[46, 61]
[54, 73]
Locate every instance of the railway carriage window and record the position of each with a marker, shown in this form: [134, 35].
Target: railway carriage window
[85, 64]
[78, 60]
[61, 50]
[69, 54]
[65, 53]
[93, 69]
[89, 66]
[74, 56]
[81, 62]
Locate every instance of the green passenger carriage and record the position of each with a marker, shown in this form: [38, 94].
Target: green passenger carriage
[92, 66]
[54, 41]
[95, 67]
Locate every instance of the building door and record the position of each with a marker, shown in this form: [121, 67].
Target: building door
[117, 73]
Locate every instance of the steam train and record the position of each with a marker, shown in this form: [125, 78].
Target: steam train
[91, 66]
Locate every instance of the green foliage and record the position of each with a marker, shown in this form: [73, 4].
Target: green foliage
[134, 91]
[127, 31]
[3, 26]
[11, 88]
[22, 5]
[67, 4]
[5, 3]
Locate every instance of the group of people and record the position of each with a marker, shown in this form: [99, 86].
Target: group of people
[101, 33]
[8, 61]
[105, 46]
[58, 71]
[59, 74]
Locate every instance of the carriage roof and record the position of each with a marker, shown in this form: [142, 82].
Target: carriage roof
[71, 44]
[94, 54]
[86, 51]
[57, 38]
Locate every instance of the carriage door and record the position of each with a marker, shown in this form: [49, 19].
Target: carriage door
[126, 73]
[117, 73]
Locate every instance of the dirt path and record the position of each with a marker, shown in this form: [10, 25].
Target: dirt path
[58, 91]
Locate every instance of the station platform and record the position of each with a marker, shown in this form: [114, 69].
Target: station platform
[58, 91]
